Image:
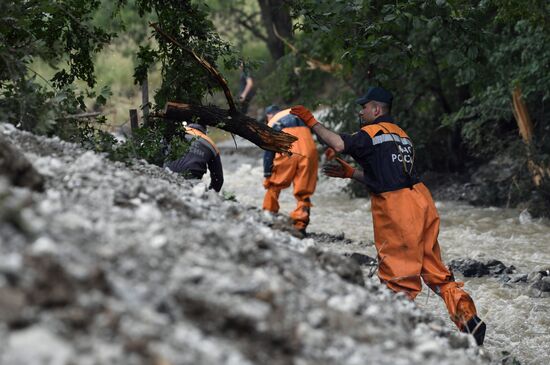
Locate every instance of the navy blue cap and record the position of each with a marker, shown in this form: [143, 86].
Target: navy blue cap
[272, 109]
[376, 94]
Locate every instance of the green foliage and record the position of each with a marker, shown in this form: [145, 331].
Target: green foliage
[342, 115]
[289, 83]
[54, 31]
[58, 32]
[183, 78]
[153, 143]
[230, 196]
[46, 111]
[70, 33]
[452, 66]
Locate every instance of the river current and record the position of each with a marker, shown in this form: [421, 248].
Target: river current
[516, 322]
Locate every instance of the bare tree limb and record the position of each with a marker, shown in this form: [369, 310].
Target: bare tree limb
[258, 133]
[82, 115]
[245, 20]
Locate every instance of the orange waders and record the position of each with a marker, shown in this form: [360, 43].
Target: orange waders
[300, 169]
[406, 225]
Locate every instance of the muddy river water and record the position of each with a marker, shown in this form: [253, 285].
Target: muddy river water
[516, 322]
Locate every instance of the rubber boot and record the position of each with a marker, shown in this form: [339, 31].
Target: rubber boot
[476, 327]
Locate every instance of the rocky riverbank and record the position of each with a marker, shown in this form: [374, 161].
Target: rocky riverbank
[134, 265]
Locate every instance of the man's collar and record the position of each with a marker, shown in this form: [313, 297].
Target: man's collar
[383, 118]
[197, 126]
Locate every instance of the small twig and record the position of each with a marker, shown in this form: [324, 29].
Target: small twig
[428, 297]
[234, 141]
[81, 115]
[375, 268]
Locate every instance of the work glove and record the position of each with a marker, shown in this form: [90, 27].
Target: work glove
[304, 114]
[266, 183]
[341, 169]
[330, 154]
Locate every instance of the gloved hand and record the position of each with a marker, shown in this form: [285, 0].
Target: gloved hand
[330, 154]
[266, 183]
[304, 114]
[342, 170]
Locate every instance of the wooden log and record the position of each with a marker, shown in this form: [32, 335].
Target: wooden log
[234, 122]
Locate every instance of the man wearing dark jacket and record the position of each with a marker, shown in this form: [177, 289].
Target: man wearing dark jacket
[405, 219]
[246, 87]
[202, 154]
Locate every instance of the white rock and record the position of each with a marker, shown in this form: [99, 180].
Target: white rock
[347, 303]
[11, 262]
[429, 348]
[372, 310]
[36, 345]
[7, 128]
[199, 190]
[148, 213]
[44, 245]
[525, 217]
[158, 241]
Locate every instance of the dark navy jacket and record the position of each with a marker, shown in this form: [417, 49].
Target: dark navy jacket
[386, 154]
[201, 154]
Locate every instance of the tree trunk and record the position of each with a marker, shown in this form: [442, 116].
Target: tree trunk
[276, 14]
[259, 134]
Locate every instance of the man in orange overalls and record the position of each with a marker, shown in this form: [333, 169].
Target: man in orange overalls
[405, 219]
[298, 168]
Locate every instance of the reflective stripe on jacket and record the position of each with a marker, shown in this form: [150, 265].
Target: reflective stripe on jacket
[386, 154]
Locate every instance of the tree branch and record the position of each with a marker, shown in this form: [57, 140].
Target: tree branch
[258, 133]
[244, 20]
[207, 66]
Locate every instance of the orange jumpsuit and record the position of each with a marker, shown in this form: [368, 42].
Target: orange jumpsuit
[405, 219]
[299, 168]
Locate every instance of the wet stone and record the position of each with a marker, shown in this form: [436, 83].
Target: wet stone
[459, 340]
[346, 268]
[514, 278]
[474, 268]
[363, 260]
[12, 303]
[541, 288]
